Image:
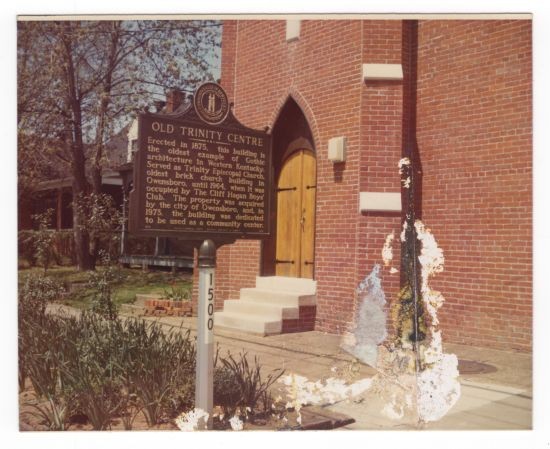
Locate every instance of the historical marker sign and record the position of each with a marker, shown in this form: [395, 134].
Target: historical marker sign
[201, 173]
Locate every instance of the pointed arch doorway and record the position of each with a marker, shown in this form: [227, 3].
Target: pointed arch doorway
[290, 251]
[296, 186]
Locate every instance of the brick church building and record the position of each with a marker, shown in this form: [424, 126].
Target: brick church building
[342, 99]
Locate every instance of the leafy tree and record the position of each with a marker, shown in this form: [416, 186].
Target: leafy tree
[100, 220]
[79, 82]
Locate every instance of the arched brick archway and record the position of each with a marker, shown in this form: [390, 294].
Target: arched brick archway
[294, 95]
[293, 207]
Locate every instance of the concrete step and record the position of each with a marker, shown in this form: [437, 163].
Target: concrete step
[278, 297]
[265, 309]
[287, 284]
[256, 324]
[262, 309]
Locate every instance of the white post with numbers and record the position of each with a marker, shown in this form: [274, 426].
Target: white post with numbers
[204, 386]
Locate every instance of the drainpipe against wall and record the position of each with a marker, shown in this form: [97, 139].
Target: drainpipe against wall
[411, 328]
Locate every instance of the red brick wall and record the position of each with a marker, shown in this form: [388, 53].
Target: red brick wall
[322, 72]
[229, 48]
[381, 142]
[474, 135]
[304, 322]
[474, 138]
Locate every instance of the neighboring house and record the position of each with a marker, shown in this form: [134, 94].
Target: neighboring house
[56, 194]
[166, 252]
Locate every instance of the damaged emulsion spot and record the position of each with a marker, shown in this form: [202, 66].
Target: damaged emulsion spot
[416, 379]
[196, 419]
[403, 165]
[438, 386]
[370, 326]
[387, 250]
[301, 391]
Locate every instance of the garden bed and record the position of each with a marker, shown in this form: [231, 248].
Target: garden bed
[129, 282]
[94, 370]
[28, 421]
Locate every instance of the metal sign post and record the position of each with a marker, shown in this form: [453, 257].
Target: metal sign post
[201, 174]
[204, 386]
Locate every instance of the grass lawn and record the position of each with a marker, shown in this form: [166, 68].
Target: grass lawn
[132, 281]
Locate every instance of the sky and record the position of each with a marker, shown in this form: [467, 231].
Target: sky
[153, 87]
[539, 437]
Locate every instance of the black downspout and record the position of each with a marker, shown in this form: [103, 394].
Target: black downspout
[411, 193]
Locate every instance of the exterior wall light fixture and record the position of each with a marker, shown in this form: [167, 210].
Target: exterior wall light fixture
[337, 149]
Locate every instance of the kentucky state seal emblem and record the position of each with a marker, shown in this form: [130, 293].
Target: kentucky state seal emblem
[211, 103]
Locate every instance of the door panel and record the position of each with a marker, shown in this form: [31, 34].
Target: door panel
[296, 216]
[308, 215]
[288, 218]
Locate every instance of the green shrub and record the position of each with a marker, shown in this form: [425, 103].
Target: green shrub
[103, 281]
[33, 338]
[36, 292]
[103, 368]
[159, 366]
[39, 351]
[54, 413]
[41, 358]
[97, 394]
[43, 239]
[176, 293]
[227, 392]
[101, 219]
[182, 397]
[89, 370]
[25, 246]
[239, 385]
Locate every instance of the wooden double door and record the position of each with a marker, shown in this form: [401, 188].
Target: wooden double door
[296, 189]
